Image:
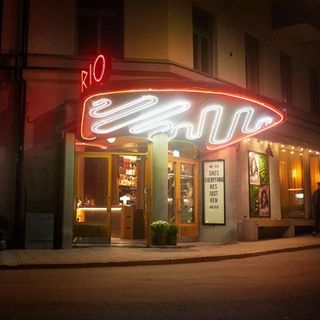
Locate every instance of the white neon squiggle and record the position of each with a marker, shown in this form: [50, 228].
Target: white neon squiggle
[189, 126]
[192, 134]
[173, 109]
[99, 105]
[248, 111]
[149, 119]
[139, 116]
[122, 111]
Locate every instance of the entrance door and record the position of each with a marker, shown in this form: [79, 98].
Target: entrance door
[92, 198]
[183, 196]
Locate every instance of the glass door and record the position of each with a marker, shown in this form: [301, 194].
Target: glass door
[183, 196]
[92, 198]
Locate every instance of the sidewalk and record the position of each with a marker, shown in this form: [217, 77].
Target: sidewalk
[112, 256]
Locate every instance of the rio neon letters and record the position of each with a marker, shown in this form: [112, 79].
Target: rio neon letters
[213, 118]
[97, 71]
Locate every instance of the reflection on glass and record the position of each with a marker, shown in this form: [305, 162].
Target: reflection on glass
[291, 185]
[127, 179]
[186, 193]
[171, 191]
[91, 190]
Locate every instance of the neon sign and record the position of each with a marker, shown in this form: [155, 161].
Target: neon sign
[98, 70]
[214, 118]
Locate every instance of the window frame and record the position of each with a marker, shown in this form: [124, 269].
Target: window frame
[252, 60]
[314, 87]
[100, 14]
[201, 34]
[286, 77]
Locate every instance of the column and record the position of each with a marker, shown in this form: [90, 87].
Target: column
[160, 178]
[67, 181]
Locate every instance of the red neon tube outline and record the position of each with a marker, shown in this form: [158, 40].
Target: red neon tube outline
[103, 67]
[222, 93]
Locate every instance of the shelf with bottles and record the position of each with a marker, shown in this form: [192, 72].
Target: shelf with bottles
[127, 180]
[127, 195]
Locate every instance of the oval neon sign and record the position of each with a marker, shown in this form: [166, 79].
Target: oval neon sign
[213, 118]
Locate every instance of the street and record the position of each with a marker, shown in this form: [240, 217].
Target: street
[275, 286]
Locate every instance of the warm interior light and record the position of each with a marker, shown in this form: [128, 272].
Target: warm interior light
[111, 140]
[176, 153]
[294, 173]
[91, 209]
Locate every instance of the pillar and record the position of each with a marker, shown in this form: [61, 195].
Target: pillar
[67, 180]
[160, 178]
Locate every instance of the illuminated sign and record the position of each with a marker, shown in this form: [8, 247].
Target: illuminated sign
[213, 192]
[97, 71]
[213, 118]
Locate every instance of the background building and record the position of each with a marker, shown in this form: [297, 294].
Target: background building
[266, 50]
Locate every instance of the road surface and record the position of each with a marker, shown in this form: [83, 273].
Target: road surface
[278, 286]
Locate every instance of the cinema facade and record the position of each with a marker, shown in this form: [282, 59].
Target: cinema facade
[157, 132]
[207, 156]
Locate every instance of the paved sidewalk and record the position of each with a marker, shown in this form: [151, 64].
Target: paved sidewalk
[112, 256]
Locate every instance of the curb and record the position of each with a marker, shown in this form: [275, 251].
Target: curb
[156, 262]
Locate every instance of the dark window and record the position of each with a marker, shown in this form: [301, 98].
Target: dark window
[100, 28]
[285, 74]
[202, 41]
[314, 89]
[252, 63]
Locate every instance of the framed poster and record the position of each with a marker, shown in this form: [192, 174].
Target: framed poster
[259, 185]
[214, 192]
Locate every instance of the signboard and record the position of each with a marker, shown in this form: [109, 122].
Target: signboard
[211, 119]
[97, 72]
[214, 192]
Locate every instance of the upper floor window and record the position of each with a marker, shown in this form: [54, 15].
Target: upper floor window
[202, 41]
[285, 74]
[314, 88]
[100, 27]
[252, 63]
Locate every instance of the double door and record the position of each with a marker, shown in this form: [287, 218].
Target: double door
[93, 180]
[183, 196]
[109, 197]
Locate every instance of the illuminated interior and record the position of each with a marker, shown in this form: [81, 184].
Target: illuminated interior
[291, 181]
[96, 183]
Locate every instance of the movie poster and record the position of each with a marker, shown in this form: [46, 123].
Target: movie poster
[264, 201]
[254, 168]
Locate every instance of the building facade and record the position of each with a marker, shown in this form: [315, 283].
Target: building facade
[115, 114]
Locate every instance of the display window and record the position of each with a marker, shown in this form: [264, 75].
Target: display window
[291, 181]
[259, 185]
[314, 170]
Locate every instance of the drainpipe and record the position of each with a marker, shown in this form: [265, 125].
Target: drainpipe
[20, 65]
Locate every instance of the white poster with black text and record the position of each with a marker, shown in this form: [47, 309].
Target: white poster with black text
[214, 192]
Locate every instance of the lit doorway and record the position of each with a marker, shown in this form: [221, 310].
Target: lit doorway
[183, 196]
[109, 197]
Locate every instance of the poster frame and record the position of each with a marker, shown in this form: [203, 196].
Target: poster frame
[204, 197]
